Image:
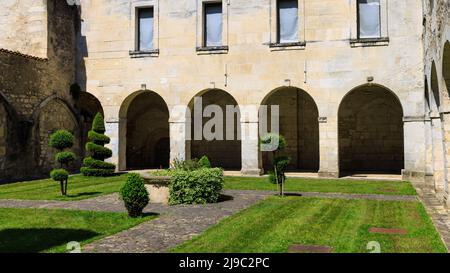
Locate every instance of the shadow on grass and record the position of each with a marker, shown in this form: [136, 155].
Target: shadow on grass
[83, 194]
[39, 239]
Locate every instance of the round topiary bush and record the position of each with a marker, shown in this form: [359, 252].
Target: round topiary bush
[65, 157]
[94, 164]
[134, 195]
[61, 140]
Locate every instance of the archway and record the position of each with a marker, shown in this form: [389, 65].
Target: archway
[299, 124]
[446, 66]
[371, 135]
[224, 148]
[435, 98]
[88, 106]
[144, 132]
[54, 114]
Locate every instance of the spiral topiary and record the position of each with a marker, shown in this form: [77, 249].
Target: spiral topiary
[94, 164]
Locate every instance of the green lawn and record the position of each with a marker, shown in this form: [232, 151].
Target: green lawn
[79, 187]
[42, 230]
[276, 223]
[323, 185]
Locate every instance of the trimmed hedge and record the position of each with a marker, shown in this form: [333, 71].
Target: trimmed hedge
[98, 151]
[61, 140]
[94, 164]
[134, 195]
[65, 157]
[196, 187]
[97, 138]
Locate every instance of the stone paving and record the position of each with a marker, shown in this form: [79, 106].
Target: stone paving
[440, 215]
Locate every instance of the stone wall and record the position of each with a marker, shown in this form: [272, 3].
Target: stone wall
[437, 55]
[24, 26]
[330, 64]
[31, 85]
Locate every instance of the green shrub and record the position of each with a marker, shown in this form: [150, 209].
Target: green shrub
[94, 164]
[59, 175]
[65, 157]
[134, 195]
[196, 187]
[204, 162]
[98, 164]
[186, 165]
[61, 140]
[97, 151]
[86, 171]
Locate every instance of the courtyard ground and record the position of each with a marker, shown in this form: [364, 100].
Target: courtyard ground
[322, 213]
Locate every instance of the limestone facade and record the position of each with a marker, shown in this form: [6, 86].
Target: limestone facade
[436, 16]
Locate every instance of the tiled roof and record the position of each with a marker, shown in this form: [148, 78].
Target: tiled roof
[7, 51]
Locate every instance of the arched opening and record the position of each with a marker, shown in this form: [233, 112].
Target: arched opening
[435, 98]
[446, 66]
[3, 136]
[88, 106]
[52, 115]
[371, 131]
[299, 124]
[222, 144]
[144, 132]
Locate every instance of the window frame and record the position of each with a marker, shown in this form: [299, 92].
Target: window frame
[138, 30]
[274, 41]
[383, 40]
[135, 29]
[204, 24]
[358, 22]
[201, 47]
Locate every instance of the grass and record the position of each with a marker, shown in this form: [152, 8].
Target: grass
[323, 185]
[79, 187]
[274, 224]
[42, 230]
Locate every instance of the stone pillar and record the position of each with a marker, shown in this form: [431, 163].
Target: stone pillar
[329, 147]
[250, 140]
[429, 173]
[180, 133]
[438, 152]
[415, 150]
[112, 131]
[446, 150]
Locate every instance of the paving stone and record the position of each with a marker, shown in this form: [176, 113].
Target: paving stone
[309, 249]
[388, 230]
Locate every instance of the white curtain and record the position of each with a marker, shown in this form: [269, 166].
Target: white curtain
[145, 29]
[213, 24]
[369, 19]
[288, 21]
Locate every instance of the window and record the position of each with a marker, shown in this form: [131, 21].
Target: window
[145, 29]
[212, 32]
[287, 13]
[369, 19]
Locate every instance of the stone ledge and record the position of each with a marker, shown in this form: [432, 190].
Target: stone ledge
[144, 53]
[287, 46]
[368, 42]
[205, 50]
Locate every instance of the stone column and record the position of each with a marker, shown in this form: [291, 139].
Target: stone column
[446, 150]
[415, 150]
[112, 131]
[437, 152]
[329, 147]
[429, 176]
[250, 140]
[180, 133]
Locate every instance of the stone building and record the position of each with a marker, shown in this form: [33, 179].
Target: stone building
[348, 76]
[38, 66]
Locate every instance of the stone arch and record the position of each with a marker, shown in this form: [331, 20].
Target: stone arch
[435, 100]
[371, 137]
[224, 151]
[54, 113]
[299, 124]
[144, 124]
[88, 106]
[446, 66]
